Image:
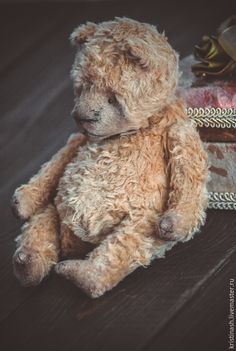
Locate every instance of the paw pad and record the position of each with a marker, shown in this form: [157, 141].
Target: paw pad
[166, 229]
[22, 258]
[28, 267]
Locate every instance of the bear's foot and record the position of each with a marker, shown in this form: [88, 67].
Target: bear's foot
[29, 267]
[21, 203]
[82, 274]
[168, 227]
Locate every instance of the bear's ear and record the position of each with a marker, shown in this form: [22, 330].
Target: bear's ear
[139, 53]
[82, 33]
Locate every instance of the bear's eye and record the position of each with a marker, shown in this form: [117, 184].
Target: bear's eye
[112, 99]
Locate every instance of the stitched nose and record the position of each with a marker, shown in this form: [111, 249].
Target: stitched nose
[96, 113]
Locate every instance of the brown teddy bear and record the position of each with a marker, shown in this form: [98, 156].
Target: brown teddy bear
[133, 181]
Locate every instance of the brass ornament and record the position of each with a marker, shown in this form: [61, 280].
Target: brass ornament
[217, 54]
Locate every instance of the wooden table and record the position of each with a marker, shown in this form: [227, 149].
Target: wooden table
[179, 303]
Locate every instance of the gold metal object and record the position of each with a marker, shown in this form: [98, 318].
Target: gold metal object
[217, 55]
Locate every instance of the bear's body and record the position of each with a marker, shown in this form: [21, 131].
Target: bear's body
[109, 181]
[128, 187]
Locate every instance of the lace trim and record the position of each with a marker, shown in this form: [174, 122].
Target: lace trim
[222, 201]
[213, 117]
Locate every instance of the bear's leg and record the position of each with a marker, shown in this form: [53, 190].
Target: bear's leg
[117, 256]
[37, 247]
[71, 245]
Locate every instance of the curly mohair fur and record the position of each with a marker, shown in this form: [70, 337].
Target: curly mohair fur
[132, 183]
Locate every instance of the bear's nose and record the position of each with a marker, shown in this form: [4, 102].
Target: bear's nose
[96, 113]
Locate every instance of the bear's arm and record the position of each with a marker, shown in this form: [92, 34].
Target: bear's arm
[28, 198]
[188, 173]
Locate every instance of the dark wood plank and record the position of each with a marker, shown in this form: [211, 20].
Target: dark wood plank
[203, 322]
[19, 33]
[135, 311]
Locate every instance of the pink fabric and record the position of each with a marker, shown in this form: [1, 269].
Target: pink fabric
[203, 93]
[221, 95]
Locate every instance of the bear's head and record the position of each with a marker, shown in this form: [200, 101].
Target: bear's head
[124, 72]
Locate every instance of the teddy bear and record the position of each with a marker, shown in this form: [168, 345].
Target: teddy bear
[131, 183]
